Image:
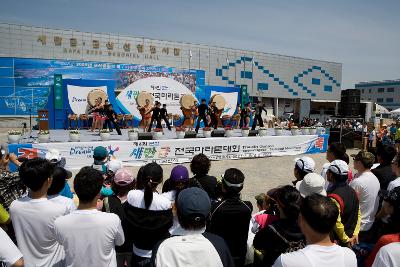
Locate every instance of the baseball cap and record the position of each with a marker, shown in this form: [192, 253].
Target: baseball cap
[312, 183]
[367, 158]
[100, 153]
[193, 202]
[339, 167]
[53, 155]
[114, 165]
[123, 177]
[306, 164]
[179, 174]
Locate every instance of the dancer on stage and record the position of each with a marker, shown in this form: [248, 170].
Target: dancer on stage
[111, 118]
[164, 115]
[98, 115]
[195, 114]
[155, 116]
[258, 118]
[213, 115]
[238, 116]
[202, 110]
[145, 113]
[247, 111]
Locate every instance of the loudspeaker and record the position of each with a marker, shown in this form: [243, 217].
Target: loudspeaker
[190, 134]
[350, 103]
[253, 132]
[145, 136]
[218, 133]
[347, 137]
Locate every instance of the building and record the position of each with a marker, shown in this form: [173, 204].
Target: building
[385, 93]
[279, 81]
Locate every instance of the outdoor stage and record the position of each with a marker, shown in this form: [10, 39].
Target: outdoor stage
[168, 149]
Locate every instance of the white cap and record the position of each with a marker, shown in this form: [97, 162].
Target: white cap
[53, 155]
[306, 164]
[114, 165]
[339, 167]
[312, 183]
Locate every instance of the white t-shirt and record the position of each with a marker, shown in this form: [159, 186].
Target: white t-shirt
[160, 202]
[171, 195]
[367, 188]
[393, 184]
[388, 256]
[9, 253]
[324, 170]
[33, 221]
[89, 237]
[318, 256]
[67, 202]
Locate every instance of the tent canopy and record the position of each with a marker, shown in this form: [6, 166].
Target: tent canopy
[395, 112]
[381, 110]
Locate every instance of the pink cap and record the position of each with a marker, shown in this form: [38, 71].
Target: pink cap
[123, 177]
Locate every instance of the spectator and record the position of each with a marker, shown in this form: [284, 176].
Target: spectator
[371, 138]
[4, 216]
[383, 172]
[397, 137]
[230, 217]
[302, 167]
[11, 188]
[283, 235]
[345, 198]
[318, 216]
[100, 156]
[33, 216]
[335, 151]
[388, 256]
[367, 188]
[396, 170]
[87, 225]
[57, 185]
[179, 180]
[200, 166]
[54, 156]
[9, 253]
[148, 217]
[312, 183]
[190, 245]
[122, 183]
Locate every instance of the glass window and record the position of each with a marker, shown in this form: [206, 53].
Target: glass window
[362, 91]
[389, 100]
[381, 90]
[390, 90]
[379, 100]
[369, 90]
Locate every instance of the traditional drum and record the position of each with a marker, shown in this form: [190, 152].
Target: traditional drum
[94, 95]
[219, 101]
[187, 101]
[142, 97]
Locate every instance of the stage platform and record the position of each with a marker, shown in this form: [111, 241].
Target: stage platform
[168, 149]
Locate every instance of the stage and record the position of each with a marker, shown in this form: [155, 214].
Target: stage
[168, 149]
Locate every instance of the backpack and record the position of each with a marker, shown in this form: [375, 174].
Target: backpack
[292, 245]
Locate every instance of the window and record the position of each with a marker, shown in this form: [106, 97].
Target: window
[369, 90]
[390, 90]
[389, 100]
[381, 90]
[362, 91]
[379, 100]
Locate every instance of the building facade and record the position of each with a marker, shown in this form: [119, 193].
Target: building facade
[385, 93]
[277, 80]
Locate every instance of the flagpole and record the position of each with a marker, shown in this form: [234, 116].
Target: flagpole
[227, 69]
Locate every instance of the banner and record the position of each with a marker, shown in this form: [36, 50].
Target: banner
[231, 102]
[58, 101]
[140, 152]
[77, 97]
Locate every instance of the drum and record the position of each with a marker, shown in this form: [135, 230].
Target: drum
[94, 95]
[219, 101]
[142, 97]
[187, 101]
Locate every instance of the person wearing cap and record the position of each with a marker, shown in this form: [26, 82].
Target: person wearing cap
[122, 183]
[89, 236]
[367, 188]
[390, 231]
[316, 220]
[312, 183]
[148, 214]
[302, 167]
[385, 154]
[396, 170]
[190, 245]
[100, 157]
[53, 193]
[347, 226]
[230, 217]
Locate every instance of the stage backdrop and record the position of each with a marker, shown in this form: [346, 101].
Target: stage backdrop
[179, 150]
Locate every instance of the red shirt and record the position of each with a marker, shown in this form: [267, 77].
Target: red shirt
[384, 240]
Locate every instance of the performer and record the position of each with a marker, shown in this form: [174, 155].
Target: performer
[111, 118]
[155, 116]
[98, 114]
[202, 110]
[195, 114]
[258, 111]
[164, 115]
[247, 114]
[214, 115]
[238, 116]
[145, 113]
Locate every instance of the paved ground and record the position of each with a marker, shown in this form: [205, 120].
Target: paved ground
[261, 174]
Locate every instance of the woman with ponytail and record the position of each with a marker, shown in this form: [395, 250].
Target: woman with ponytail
[148, 215]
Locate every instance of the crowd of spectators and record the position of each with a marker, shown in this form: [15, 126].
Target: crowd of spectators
[113, 217]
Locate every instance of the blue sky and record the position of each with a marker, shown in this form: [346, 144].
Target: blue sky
[363, 35]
